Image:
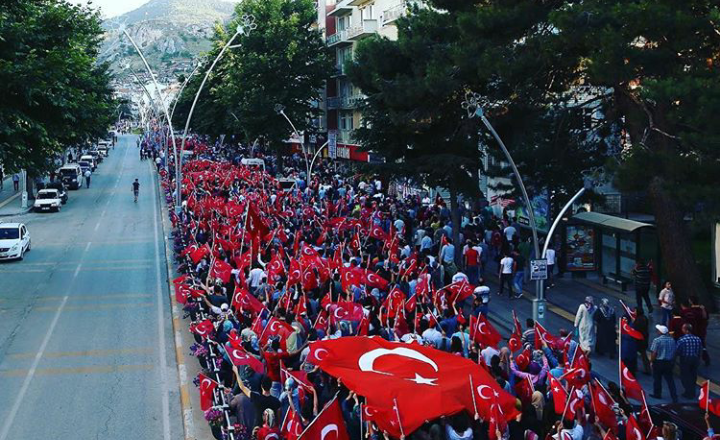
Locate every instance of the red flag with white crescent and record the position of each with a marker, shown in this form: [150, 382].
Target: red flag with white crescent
[207, 387]
[483, 332]
[633, 389]
[203, 328]
[329, 424]
[292, 425]
[427, 383]
[626, 329]
[239, 356]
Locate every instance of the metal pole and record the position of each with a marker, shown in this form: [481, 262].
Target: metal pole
[539, 301]
[182, 87]
[157, 87]
[317, 153]
[246, 26]
[302, 143]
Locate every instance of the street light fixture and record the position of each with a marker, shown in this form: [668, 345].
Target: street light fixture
[246, 25]
[473, 104]
[280, 109]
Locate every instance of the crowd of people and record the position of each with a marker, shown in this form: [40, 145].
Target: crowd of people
[268, 274]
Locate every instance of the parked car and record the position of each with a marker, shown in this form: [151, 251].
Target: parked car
[89, 159]
[104, 150]
[14, 241]
[688, 417]
[96, 154]
[71, 175]
[58, 185]
[47, 200]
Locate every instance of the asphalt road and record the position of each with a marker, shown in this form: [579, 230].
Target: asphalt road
[86, 342]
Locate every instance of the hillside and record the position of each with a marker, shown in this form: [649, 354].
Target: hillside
[171, 33]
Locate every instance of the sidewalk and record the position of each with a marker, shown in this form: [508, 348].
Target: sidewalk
[10, 200]
[562, 303]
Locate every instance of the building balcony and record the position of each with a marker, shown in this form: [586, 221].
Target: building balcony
[341, 8]
[364, 29]
[345, 102]
[337, 38]
[396, 11]
[344, 137]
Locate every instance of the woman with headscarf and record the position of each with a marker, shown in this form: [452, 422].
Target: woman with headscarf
[605, 319]
[585, 324]
[268, 430]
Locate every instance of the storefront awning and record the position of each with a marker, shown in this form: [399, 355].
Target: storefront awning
[610, 222]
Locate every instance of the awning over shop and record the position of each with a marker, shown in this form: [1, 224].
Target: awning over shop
[610, 222]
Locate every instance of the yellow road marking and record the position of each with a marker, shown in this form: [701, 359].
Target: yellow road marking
[105, 369]
[95, 307]
[86, 353]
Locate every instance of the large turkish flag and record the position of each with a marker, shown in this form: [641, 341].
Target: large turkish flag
[425, 383]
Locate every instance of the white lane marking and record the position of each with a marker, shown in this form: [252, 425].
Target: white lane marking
[97, 226]
[31, 373]
[161, 322]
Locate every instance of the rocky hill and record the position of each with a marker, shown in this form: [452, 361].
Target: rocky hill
[171, 34]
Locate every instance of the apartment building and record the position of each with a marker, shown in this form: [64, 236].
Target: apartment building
[346, 22]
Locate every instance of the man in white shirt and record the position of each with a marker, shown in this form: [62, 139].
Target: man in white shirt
[487, 354]
[254, 278]
[510, 232]
[550, 257]
[507, 268]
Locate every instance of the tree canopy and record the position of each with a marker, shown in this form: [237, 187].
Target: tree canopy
[55, 94]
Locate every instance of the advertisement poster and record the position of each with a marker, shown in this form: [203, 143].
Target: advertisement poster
[580, 248]
[541, 211]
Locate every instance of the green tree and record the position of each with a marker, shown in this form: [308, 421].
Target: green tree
[55, 94]
[283, 61]
[660, 61]
[412, 115]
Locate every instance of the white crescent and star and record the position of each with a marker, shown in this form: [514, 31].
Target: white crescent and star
[317, 354]
[367, 360]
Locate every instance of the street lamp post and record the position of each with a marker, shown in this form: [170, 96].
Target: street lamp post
[157, 87]
[247, 24]
[474, 108]
[317, 153]
[280, 109]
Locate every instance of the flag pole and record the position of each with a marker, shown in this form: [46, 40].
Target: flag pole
[620, 350]
[397, 412]
[318, 415]
[472, 393]
[567, 404]
[361, 421]
[707, 397]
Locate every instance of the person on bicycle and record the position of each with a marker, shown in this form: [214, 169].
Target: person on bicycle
[136, 188]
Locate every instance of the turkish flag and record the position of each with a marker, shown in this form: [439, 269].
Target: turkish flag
[632, 430]
[349, 277]
[372, 279]
[482, 332]
[626, 329]
[221, 270]
[291, 427]
[276, 268]
[207, 388]
[706, 402]
[321, 323]
[541, 334]
[633, 389]
[242, 299]
[378, 233]
[355, 242]
[515, 341]
[426, 383]
[199, 253]
[254, 224]
[276, 327]
[330, 420]
[203, 328]
[459, 290]
[295, 274]
[239, 356]
[395, 297]
[603, 403]
[559, 395]
[346, 311]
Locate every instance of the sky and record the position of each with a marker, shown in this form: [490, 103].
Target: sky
[112, 8]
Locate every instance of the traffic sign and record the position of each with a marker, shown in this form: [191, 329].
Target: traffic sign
[538, 270]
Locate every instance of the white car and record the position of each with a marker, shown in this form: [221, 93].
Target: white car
[48, 200]
[14, 241]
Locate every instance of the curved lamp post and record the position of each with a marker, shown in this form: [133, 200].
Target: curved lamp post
[317, 153]
[246, 25]
[280, 109]
[473, 105]
[182, 87]
[157, 88]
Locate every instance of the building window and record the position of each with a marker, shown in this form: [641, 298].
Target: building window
[345, 120]
[343, 23]
[368, 12]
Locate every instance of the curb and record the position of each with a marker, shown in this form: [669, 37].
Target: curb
[185, 404]
[7, 201]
